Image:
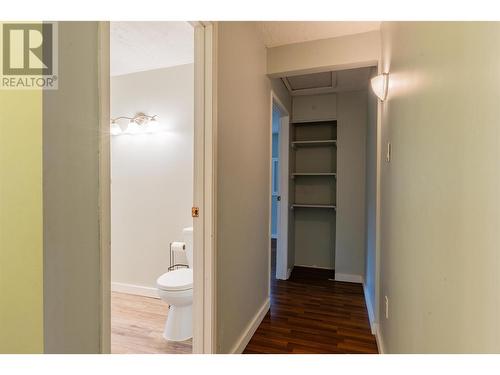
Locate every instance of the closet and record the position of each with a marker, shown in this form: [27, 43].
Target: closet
[327, 149]
[313, 193]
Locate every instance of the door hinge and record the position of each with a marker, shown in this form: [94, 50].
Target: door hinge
[195, 211]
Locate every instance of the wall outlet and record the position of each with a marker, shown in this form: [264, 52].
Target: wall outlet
[386, 307]
[389, 152]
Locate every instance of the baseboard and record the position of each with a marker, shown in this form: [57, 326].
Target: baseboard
[135, 289]
[350, 278]
[371, 312]
[244, 339]
[380, 341]
[318, 267]
[288, 273]
[374, 326]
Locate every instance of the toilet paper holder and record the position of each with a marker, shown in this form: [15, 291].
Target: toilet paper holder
[173, 265]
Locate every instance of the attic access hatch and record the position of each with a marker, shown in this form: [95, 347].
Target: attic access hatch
[328, 82]
[306, 83]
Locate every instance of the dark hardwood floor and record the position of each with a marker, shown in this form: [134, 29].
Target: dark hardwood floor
[312, 314]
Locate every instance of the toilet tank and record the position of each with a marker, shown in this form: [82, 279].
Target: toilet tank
[188, 239]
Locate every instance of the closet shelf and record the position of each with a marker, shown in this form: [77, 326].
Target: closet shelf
[314, 174]
[315, 122]
[326, 142]
[299, 205]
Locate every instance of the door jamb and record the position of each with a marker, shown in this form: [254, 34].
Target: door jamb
[282, 268]
[204, 301]
[104, 187]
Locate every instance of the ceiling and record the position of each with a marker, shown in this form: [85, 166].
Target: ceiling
[279, 33]
[327, 82]
[140, 46]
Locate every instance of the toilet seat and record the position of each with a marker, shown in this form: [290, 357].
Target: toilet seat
[177, 280]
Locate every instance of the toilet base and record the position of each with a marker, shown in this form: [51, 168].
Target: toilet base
[179, 324]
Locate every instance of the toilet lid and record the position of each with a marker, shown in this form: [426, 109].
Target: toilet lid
[181, 279]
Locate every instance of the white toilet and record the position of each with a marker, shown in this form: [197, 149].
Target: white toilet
[176, 289]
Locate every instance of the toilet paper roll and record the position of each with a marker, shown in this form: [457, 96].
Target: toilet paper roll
[178, 252]
[178, 246]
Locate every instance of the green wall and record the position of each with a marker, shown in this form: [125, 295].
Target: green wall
[49, 205]
[21, 242]
[440, 213]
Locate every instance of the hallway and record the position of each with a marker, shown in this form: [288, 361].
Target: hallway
[311, 314]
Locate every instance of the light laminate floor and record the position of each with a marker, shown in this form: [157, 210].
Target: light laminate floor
[137, 326]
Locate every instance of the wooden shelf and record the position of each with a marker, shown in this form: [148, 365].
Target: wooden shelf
[314, 174]
[326, 142]
[299, 205]
[314, 122]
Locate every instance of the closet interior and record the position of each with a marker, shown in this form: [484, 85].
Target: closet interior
[327, 142]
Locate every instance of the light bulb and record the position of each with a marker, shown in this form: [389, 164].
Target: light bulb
[380, 85]
[153, 126]
[133, 128]
[115, 128]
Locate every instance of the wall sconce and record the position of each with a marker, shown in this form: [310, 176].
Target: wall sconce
[380, 85]
[140, 123]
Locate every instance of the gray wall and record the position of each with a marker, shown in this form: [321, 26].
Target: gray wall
[370, 201]
[350, 236]
[70, 196]
[321, 107]
[440, 193]
[243, 169]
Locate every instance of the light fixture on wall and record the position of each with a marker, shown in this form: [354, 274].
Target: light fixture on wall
[380, 85]
[140, 123]
[153, 125]
[115, 128]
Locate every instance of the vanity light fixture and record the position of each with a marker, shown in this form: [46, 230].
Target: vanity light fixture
[380, 85]
[140, 123]
[115, 128]
[153, 125]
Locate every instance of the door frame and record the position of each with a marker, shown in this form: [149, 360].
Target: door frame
[283, 165]
[204, 281]
[274, 192]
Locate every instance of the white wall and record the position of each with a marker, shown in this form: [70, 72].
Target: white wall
[351, 138]
[152, 174]
[243, 178]
[344, 52]
[440, 193]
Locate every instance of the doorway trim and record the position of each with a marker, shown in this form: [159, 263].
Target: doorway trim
[204, 269]
[204, 293]
[282, 219]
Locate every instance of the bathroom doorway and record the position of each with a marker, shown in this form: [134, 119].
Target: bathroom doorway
[158, 213]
